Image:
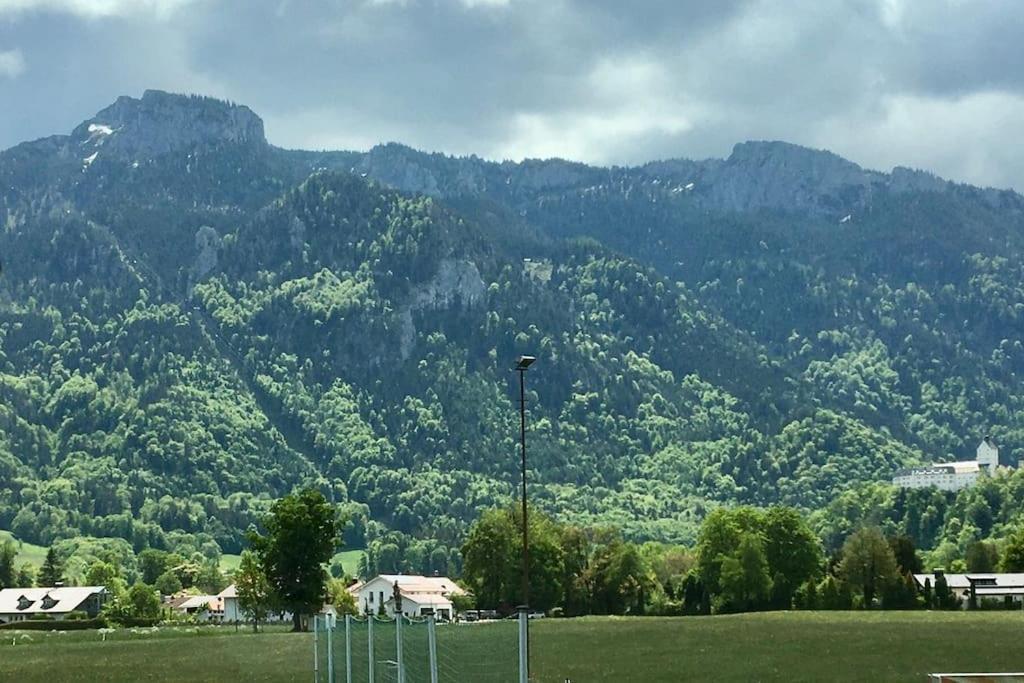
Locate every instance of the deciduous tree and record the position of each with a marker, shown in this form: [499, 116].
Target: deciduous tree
[302, 534]
[868, 563]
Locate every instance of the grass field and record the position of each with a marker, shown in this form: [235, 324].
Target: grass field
[779, 646]
[349, 560]
[27, 553]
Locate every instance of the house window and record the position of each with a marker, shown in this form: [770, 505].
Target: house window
[371, 597]
[381, 594]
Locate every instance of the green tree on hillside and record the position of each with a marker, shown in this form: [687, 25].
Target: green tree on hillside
[907, 559]
[255, 594]
[107, 575]
[868, 563]
[143, 602]
[620, 580]
[168, 583]
[302, 534]
[719, 537]
[745, 581]
[793, 553]
[26, 575]
[52, 571]
[152, 563]
[1013, 552]
[492, 564]
[982, 557]
[7, 572]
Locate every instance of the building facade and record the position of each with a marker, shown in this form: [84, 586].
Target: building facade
[57, 603]
[952, 476]
[421, 595]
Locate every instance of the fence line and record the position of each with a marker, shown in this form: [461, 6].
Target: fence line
[376, 649]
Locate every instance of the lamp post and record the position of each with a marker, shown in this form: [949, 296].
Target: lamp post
[522, 364]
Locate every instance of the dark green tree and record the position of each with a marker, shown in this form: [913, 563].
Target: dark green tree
[907, 559]
[7, 572]
[793, 552]
[255, 594]
[52, 571]
[746, 583]
[143, 602]
[982, 557]
[944, 597]
[1013, 552]
[492, 564]
[868, 563]
[152, 563]
[167, 583]
[302, 534]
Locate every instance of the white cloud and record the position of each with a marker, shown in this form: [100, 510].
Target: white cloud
[629, 101]
[12, 64]
[94, 9]
[963, 139]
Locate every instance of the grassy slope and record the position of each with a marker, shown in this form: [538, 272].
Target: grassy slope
[775, 646]
[27, 552]
[349, 560]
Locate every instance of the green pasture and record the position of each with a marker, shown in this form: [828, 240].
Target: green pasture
[776, 646]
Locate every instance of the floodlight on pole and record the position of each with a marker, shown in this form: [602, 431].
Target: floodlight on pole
[522, 364]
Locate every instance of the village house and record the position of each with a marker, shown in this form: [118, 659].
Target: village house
[986, 586]
[57, 602]
[233, 613]
[421, 595]
[202, 608]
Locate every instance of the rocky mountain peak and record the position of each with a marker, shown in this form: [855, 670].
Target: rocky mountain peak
[161, 122]
[781, 175]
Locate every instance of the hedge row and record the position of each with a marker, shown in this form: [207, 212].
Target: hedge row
[49, 625]
[74, 624]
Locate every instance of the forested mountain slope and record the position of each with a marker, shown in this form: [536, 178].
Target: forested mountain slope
[193, 321]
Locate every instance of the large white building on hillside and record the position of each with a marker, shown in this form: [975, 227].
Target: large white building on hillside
[952, 476]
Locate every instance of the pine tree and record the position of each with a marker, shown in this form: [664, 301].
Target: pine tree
[52, 571]
[7, 571]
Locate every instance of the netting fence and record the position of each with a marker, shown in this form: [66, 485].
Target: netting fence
[415, 650]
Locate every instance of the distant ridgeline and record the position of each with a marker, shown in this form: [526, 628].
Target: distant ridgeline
[193, 322]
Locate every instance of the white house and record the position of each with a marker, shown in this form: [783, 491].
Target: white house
[233, 612]
[952, 476]
[985, 585]
[20, 604]
[203, 607]
[421, 595]
[229, 598]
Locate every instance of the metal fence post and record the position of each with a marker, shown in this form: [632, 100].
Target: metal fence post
[398, 642]
[316, 650]
[369, 647]
[348, 648]
[330, 650]
[432, 645]
[524, 667]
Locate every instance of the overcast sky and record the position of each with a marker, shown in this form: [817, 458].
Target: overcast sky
[933, 84]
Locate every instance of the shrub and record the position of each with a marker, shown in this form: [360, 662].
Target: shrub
[50, 625]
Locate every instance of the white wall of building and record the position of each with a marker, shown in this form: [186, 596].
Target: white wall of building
[988, 454]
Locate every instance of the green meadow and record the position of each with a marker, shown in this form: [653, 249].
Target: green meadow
[775, 646]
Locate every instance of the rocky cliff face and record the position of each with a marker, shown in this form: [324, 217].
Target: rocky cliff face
[779, 175]
[160, 123]
[757, 175]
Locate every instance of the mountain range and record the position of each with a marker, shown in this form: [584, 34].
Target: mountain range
[194, 321]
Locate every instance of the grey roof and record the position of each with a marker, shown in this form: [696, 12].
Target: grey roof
[31, 600]
[962, 581]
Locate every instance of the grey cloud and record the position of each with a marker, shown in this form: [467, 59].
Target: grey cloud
[599, 80]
